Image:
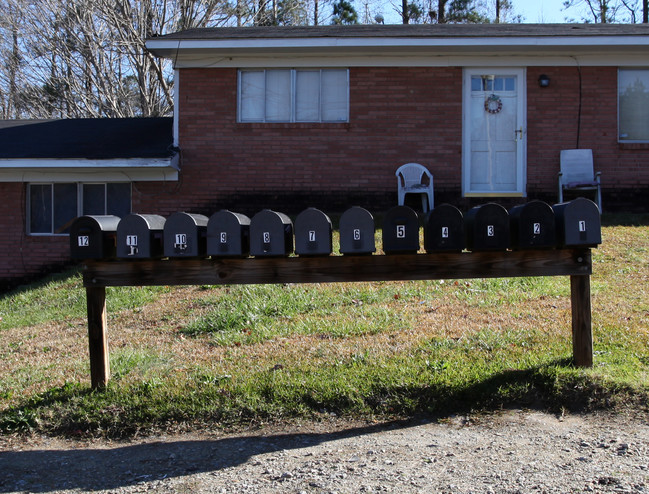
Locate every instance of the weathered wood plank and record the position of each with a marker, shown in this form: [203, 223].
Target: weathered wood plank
[97, 341]
[564, 262]
[582, 333]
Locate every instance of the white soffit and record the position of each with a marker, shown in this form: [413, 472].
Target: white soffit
[169, 47]
[403, 52]
[432, 60]
[82, 170]
[398, 51]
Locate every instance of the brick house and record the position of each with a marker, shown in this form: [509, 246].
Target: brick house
[52, 171]
[322, 116]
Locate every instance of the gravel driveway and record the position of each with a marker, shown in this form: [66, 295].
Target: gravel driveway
[512, 452]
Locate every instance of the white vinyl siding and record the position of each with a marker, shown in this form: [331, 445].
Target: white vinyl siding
[293, 95]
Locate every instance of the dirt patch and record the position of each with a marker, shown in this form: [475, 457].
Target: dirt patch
[511, 452]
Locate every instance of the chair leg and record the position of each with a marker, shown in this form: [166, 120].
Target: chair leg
[599, 200]
[424, 203]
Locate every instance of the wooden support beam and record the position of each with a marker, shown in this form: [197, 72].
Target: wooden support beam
[575, 263]
[563, 262]
[98, 345]
[582, 332]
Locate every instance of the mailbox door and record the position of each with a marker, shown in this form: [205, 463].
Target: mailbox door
[228, 234]
[271, 234]
[357, 232]
[532, 226]
[312, 233]
[401, 230]
[578, 223]
[93, 237]
[444, 229]
[487, 228]
[185, 235]
[139, 236]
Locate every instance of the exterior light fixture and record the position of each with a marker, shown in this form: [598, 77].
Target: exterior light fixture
[544, 80]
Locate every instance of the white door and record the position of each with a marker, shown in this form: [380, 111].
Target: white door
[494, 130]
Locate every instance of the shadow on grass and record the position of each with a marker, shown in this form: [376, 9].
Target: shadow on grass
[538, 388]
[61, 274]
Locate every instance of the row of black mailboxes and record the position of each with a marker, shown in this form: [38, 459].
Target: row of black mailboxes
[533, 225]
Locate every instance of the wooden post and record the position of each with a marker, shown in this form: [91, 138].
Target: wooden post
[98, 346]
[582, 332]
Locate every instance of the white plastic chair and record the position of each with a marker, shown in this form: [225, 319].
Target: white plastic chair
[410, 180]
[577, 174]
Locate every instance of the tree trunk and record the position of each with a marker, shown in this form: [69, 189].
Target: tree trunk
[441, 7]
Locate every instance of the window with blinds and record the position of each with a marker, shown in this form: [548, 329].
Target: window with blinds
[293, 95]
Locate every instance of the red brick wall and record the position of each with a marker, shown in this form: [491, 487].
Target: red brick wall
[556, 122]
[22, 255]
[397, 115]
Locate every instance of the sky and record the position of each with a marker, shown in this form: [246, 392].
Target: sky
[533, 11]
[543, 11]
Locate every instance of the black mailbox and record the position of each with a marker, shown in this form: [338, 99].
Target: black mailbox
[271, 234]
[578, 223]
[532, 226]
[185, 235]
[487, 227]
[139, 236]
[357, 231]
[444, 229]
[401, 231]
[93, 237]
[228, 234]
[312, 233]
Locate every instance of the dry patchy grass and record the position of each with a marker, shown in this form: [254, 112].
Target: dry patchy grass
[432, 337]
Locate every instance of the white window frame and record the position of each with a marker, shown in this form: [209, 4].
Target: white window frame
[292, 96]
[79, 192]
[619, 136]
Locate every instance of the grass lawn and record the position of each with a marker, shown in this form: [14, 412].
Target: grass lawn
[202, 356]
